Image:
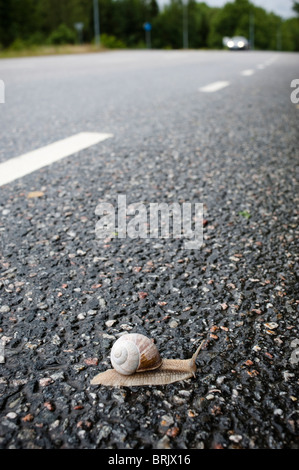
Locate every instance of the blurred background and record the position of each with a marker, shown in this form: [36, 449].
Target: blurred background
[30, 27]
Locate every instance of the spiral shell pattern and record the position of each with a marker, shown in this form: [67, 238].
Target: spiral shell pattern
[134, 353]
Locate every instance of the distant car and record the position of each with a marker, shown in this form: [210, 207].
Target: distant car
[237, 43]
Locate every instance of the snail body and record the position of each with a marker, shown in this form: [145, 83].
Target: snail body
[149, 369]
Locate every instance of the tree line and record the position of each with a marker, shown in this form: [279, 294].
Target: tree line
[27, 23]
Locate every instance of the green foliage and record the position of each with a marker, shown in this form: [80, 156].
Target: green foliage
[111, 42]
[62, 35]
[26, 23]
[234, 20]
[36, 39]
[245, 214]
[18, 45]
[290, 35]
[296, 7]
[168, 25]
[167, 28]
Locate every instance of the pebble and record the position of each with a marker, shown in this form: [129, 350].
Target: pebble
[178, 400]
[103, 433]
[28, 417]
[107, 336]
[81, 316]
[91, 361]
[126, 327]
[185, 393]
[49, 406]
[173, 431]
[9, 424]
[102, 302]
[44, 382]
[271, 325]
[57, 375]
[210, 396]
[14, 403]
[288, 375]
[235, 438]
[166, 420]
[5, 309]
[174, 323]
[164, 443]
[91, 312]
[56, 339]
[54, 425]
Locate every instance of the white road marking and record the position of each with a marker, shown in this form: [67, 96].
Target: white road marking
[215, 86]
[28, 162]
[247, 73]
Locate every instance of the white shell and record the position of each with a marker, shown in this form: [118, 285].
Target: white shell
[134, 352]
[125, 356]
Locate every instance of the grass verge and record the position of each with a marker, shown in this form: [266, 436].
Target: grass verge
[51, 50]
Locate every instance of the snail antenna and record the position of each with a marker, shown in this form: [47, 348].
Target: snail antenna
[194, 357]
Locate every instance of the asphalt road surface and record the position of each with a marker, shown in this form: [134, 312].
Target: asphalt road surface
[217, 128]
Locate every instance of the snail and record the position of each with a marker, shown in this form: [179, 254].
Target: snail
[136, 361]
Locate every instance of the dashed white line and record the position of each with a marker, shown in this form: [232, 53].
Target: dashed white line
[247, 73]
[27, 163]
[215, 86]
[271, 60]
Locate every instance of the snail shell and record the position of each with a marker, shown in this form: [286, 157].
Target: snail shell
[150, 370]
[134, 353]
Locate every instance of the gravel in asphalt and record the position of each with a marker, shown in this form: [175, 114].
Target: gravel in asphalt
[65, 296]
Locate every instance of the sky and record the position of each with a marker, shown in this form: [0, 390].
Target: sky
[280, 7]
